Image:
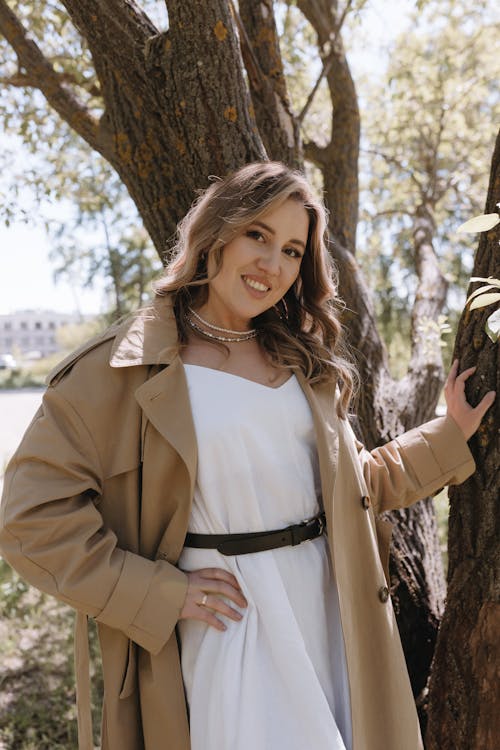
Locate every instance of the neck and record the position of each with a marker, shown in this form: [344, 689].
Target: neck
[216, 332]
[222, 320]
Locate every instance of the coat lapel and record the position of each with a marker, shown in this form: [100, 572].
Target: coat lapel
[164, 400]
[322, 402]
[151, 338]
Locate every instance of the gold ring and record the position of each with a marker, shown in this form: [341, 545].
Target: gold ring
[204, 600]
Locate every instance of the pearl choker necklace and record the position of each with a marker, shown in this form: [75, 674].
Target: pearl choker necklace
[239, 335]
[226, 339]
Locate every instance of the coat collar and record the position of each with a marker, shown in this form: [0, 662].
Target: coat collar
[148, 338]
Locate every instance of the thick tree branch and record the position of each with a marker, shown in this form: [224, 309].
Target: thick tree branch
[340, 170]
[24, 80]
[328, 61]
[43, 76]
[117, 33]
[261, 55]
[316, 154]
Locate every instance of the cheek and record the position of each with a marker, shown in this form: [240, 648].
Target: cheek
[294, 275]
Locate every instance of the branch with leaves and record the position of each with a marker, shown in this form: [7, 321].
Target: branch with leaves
[35, 67]
[485, 295]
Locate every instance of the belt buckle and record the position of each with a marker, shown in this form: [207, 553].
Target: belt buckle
[316, 520]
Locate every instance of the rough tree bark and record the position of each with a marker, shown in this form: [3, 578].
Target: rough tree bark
[463, 712]
[177, 109]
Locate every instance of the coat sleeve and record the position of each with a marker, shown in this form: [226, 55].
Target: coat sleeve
[52, 533]
[416, 464]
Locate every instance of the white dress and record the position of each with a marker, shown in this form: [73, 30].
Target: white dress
[276, 680]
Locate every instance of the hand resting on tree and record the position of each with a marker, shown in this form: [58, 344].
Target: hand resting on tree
[467, 417]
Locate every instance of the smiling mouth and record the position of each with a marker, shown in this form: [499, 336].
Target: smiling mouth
[257, 285]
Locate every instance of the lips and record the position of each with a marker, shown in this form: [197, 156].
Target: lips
[258, 286]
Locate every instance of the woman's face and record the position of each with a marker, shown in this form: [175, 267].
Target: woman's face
[258, 266]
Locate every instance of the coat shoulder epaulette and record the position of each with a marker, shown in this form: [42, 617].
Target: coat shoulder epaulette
[67, 363]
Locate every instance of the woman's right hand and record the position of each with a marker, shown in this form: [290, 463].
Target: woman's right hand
[207, 589]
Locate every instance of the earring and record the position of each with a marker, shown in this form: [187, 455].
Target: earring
[284, 315]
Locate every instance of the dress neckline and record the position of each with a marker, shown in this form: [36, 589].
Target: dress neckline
[240, 377]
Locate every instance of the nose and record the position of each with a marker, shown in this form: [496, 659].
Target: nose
[270, 261]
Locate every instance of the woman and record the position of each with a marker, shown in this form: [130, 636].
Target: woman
[165, 452]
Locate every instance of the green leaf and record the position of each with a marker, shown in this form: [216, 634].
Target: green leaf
[480, 223]
[492, 326]
[485, 299]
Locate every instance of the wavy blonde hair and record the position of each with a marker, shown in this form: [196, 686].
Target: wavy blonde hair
[310, 337]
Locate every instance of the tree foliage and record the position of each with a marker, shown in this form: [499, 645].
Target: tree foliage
[440, 106]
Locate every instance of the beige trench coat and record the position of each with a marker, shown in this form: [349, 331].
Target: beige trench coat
[96, 507]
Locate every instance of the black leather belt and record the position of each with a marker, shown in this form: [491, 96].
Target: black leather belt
[259, 541]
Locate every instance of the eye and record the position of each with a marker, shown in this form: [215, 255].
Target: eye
[292, 252]
[255, 235]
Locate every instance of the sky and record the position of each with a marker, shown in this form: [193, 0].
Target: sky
[26, 271]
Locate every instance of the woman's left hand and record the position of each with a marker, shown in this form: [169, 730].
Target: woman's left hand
[467, 417]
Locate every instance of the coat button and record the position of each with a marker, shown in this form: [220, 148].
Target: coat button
[365, 502]
[383, 594]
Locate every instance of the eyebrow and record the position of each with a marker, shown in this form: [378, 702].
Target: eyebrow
[271, 231]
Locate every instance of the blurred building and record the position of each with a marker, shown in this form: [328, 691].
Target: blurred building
[32, 333]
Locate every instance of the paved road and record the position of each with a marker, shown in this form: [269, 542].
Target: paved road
[17, 408]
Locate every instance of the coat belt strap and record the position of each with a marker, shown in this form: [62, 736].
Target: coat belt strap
[82, 671]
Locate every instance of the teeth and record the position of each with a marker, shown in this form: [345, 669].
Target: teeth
[256, 285]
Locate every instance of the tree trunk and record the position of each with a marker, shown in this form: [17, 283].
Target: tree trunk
[465, 676]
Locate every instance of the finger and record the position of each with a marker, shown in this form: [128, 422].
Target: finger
[226, 590]
[219, 574]
[485, 403]
[459, 383]
[452, 374]
[217, 604]
[199, 586]
[212, 620]
[467, 373]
